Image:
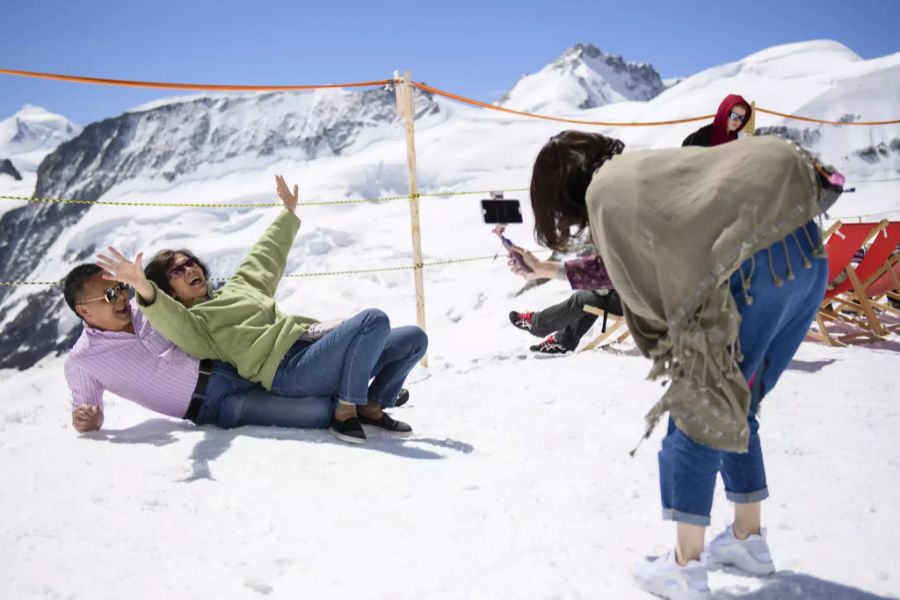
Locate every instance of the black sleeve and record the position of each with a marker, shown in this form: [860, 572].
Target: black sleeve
[701, 137]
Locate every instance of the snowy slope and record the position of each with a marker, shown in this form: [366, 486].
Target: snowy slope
[517, 483]
[517, 479]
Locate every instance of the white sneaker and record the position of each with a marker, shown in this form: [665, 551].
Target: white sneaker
[664, 577]
[750, 555]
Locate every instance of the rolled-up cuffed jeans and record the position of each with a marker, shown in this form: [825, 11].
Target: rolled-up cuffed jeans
[772, 328]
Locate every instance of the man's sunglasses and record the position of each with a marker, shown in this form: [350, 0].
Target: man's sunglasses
[179, 270]
[111, 294]
[736, 117]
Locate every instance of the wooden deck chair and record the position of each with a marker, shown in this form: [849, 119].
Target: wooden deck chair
[878, 263]
[841, 246]
[618, 323]
[887, 285]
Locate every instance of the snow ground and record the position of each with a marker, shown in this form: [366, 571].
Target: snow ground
[516, 484]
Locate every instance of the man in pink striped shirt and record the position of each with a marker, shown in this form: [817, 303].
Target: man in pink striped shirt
[120, 352]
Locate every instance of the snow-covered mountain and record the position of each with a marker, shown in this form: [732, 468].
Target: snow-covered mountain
[33, 128]
[583, 77]
[25, 139]
[165, 145]
[822, 79]
[340, 145]
[170, 141]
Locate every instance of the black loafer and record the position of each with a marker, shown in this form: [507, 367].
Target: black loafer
[387, 423]
[349, 430]
[402, 397]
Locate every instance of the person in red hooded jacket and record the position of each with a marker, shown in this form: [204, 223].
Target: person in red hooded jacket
[732, 116]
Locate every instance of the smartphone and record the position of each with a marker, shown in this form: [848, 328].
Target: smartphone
[515, 255]
[502, 212]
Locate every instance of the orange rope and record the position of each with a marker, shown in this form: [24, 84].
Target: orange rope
[452, 96]
[188, 86]
[421, 86]
[457, 97]
[799, 118]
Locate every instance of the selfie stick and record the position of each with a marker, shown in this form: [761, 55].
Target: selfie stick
[507, 243]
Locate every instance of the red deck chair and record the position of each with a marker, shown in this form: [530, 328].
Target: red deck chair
[841, 246]
[888, 284]
[879, 276]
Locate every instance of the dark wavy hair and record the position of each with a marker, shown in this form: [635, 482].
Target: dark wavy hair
[158, 268]
[562, 172]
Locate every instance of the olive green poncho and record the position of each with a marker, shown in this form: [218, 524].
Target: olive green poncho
[672, 226]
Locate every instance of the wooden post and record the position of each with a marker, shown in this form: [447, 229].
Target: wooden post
[407, 111]
[750, 127]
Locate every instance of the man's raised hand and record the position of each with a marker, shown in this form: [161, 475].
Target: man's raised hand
[118, 268]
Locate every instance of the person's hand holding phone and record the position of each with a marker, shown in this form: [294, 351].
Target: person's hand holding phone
[524, 263]
[522, 267]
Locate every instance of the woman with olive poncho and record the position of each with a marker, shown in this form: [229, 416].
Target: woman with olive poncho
[717, 258]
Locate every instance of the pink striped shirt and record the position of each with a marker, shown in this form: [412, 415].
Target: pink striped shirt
[143, 367]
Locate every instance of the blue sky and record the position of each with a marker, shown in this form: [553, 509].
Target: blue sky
[478, 49]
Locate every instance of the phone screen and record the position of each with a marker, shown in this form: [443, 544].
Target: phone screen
[501, 211]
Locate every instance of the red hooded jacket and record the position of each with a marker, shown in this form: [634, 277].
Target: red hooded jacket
[717, 132]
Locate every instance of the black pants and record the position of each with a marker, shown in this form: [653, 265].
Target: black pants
[569, 320]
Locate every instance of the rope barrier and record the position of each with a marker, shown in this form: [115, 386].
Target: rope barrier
[12, 283]
[382, 82]
[250, 204]
[434, 263]
[458, 98]
[858, 181]
[210, 87]
[826, 122]
[878, 214]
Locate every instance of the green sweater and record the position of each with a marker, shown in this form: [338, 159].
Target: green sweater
[240, 322]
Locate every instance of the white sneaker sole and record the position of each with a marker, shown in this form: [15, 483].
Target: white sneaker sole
[658, 589]
[742, 562]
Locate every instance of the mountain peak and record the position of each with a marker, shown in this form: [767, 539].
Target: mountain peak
[34, 127]
[590, 52]
[586, 77]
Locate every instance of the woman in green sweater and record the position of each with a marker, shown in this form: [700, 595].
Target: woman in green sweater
[290, 355]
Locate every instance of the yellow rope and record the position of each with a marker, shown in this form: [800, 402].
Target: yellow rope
[855, 181]
[434, 263]
[319, 203]
[878, 214]
[250, 204]
[10, 283]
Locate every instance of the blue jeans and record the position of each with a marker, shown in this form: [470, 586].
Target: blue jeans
[772, 328]
[342, 363]
[232, 401]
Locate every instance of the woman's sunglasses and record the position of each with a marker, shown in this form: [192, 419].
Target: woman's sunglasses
[111, 294]
[179, 270]
[736, 117]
